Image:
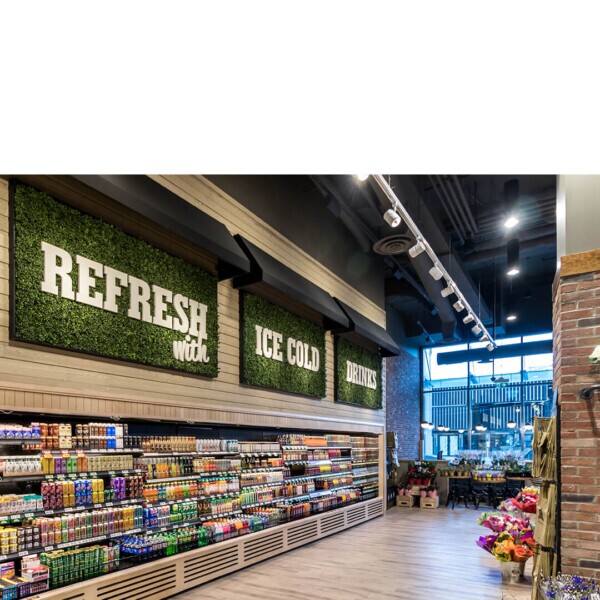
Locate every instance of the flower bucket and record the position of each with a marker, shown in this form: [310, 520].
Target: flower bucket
[512, 572]
[423, 494]
[401, 492]
[433, 493]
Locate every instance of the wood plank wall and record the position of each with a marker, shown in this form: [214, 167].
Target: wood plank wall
[42, 380]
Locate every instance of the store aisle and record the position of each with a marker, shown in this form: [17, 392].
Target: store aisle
[409, 554]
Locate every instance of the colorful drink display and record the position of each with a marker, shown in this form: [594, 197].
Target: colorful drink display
[144, 548]
[70, 566]
[213, 490]
[211, 465]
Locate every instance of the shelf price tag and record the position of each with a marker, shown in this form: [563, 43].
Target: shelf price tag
[24, 553]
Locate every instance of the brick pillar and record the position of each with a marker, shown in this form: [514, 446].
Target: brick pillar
[576, 333]
[403, 402]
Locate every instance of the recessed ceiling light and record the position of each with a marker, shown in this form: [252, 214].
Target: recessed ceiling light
[511, 424]
[511, 317]
[511, 222]
[512, 272]
[468, 319]
[362, 177]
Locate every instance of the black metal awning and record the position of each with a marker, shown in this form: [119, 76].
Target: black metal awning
[280, 284]
[365, 328]
[155, 202]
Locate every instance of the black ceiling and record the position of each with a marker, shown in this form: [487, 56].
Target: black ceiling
[463, 219]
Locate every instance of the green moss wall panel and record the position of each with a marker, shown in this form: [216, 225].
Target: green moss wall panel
[55, 320]
[259, 370]
[358, 375]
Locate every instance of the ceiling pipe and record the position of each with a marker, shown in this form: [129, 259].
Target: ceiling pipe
[457, 204]
[465, 204]
[448, 212]
[451, 206]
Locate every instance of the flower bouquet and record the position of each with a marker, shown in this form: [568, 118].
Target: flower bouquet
[501, 521]
[512, 545]
[511, 542]
[570, 587]
[526, 501]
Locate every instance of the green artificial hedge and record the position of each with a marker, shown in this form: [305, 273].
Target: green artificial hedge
[43, 318]
[265, 372]
[350, 392]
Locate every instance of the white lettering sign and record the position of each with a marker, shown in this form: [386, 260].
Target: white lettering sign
[360, 375]
[299, 354]
[146, 303]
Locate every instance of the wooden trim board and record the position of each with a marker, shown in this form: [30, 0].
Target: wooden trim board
[582, 262]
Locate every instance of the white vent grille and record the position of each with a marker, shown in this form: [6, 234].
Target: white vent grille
[158, 583]
[211, 565]
[331, 523]
[375, 509]
[356, 515]
[257, 549]
[302, 534]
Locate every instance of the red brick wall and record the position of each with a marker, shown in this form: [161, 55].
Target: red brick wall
[576, 333]
[403, 402]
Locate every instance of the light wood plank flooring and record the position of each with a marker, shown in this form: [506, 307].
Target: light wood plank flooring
[410, 554]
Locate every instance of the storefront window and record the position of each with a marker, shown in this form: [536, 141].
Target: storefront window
[485, 405]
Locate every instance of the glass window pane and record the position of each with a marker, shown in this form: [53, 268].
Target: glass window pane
[540, 337]
[436, 376]
[537, 367]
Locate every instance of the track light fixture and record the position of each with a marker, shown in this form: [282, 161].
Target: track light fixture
[392, 218]
[440, 428]
[415, 250]
[430, 426]
[458, 306]
[476, 329]
[460, 430]
[424, 424]
[436, 272]
[527, 427]
[447, 291]
[511, 424]
[479, 427]
[490, 347]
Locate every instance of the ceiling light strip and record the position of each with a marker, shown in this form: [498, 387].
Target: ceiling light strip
[437, 265]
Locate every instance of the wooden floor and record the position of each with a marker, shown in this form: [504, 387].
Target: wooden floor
[410, 554]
